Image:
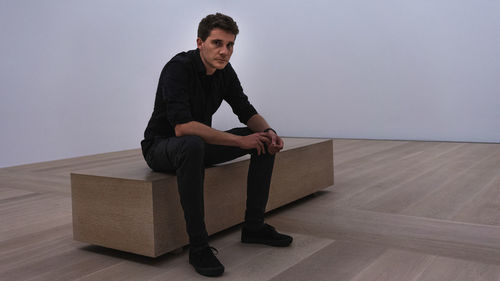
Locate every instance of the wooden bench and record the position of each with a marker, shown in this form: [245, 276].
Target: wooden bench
[125, 206]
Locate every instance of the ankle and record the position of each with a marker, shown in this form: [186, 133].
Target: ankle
[254, 225]
[198, 247]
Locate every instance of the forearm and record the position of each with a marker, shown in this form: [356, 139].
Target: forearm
[257, 123]
[207, 133]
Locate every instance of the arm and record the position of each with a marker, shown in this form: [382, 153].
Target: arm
[213, 136]
[207, 133]
[257, 123]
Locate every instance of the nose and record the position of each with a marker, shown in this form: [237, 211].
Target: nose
[224, 50]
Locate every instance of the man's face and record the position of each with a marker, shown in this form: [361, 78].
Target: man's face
[216, 50]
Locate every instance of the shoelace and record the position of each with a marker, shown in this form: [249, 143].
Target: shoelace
[214, 250]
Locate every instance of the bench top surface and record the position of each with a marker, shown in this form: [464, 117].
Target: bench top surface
[130, 164]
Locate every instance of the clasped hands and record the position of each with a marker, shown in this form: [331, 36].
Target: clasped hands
[260, 140]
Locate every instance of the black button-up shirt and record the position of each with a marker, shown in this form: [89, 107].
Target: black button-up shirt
[186, 93]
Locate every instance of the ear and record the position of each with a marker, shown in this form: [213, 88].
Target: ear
[199, 42]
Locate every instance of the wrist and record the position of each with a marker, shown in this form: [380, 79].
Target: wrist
[270, 129]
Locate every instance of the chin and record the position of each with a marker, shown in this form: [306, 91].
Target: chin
[220, 65]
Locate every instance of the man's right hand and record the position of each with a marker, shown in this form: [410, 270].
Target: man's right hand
[256, 141]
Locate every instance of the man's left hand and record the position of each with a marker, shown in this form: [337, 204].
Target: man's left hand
[276, 143]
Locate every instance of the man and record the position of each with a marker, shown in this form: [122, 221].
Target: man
[179, 137]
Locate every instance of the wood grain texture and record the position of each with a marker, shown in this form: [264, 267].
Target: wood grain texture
[399, 210]
[125, 206]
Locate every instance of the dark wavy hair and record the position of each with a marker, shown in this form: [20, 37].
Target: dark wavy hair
[218, 20]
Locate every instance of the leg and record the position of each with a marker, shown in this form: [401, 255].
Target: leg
[255, 230]
[185, 156]
[258, 179]
[258, 182]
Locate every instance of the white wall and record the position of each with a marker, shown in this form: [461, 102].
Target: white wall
[79, 77]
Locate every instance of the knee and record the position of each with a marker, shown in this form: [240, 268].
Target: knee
[245, 131]
[265, 157]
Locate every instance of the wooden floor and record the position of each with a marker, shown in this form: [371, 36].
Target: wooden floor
[398, 211]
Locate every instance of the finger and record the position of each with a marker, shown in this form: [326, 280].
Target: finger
[264, 139]
[265, 135]
[262, 147]
[257, 147]
[271, 150]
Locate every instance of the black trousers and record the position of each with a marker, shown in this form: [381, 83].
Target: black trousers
[188, 156]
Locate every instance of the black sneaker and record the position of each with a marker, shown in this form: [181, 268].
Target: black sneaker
[266, 235]
[204, 261]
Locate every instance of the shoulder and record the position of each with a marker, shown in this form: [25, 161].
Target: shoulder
[184, 57]
[182, 63]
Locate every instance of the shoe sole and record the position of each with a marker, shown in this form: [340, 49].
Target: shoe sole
[210, 272]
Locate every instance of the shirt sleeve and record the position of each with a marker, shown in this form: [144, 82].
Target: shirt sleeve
[175, 91]
[235, 97]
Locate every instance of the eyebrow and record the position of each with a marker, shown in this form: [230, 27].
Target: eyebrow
[220, 40]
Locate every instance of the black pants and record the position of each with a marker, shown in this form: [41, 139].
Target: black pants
[188, 156]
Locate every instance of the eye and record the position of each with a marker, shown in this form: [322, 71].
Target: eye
[218, 43]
